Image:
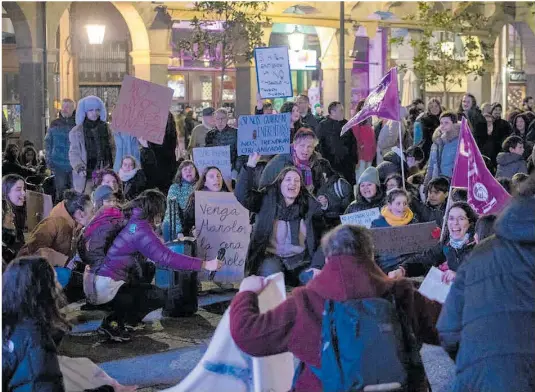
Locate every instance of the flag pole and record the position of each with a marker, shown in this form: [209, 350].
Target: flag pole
[402, 156]
[445, 219]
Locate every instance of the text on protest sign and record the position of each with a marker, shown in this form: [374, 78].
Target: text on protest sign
[142, 109]
[273, 72]
[402, 240]
[219, 157]
[362, 218]
[267, 134]
[222, 222]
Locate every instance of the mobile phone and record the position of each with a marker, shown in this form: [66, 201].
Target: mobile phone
[220, 256]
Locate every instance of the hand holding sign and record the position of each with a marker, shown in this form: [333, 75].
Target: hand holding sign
[253, 159]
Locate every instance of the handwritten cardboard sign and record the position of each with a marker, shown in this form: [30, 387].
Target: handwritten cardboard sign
[361, 218]
[267, 134]
[402, 240]
[213, 156]
[142, 109]
[222, 222]
[38, 207]
[273, 72]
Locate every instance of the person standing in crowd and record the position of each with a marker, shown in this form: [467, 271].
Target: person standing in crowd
[9, 234]
[502, 128]
[469, 110]
[132, 177]
[511, 160]
[366, 143]
[295, 118]
[225, 135]
[428, 122]
[484, 228]
[295, 325]
[159, 160]
[487, 324]
[57, 147]
[32, 327]
[113, 281]
[340, 151]
[14, 193]
[285, 235]
[198, 136]
[527, 107]
[318, 112]
[189, 124]
[434, 207]
[391, 164]
[520, 124]
[11, 164]
[180, 191]
[444, 149]
[370, 193]
[91, 143]
[449, 254]
[389, 137]
[307, 118]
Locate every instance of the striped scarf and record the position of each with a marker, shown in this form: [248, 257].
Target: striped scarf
[305, 168]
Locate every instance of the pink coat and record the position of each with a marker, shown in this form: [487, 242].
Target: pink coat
[366, 144]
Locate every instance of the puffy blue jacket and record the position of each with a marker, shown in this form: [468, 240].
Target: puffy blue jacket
[443, 153]
[57, 143]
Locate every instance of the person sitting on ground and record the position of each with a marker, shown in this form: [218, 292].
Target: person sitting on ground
[53, 237]
[132, 177]
[484, 227]
[295, 325]
[107, 177]
[434, 207]
[370, 192]
[114, 282]
[517, 180]
[392, 162]
[14, 193]
[285, 235]
[505, 183]
[180, 191]
[449, 254]
[511, 160]
[11, 164]
[418, 181]
[395, 181]
[28, 158]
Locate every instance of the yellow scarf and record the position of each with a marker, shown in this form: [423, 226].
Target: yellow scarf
[394, 220]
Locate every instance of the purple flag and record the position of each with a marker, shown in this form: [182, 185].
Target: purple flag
[383, 101]
[485, 194]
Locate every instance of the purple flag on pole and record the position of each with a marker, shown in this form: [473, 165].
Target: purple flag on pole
[485, 194]
[383, 101]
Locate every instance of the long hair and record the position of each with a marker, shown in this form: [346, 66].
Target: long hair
[8, 182]
[29, 291]
[11, 154]
[178, 176]
[474, 103]
[470, 214]
[98, 176]
[199, 185]
[22, 157]
[151, 202]
[302, 197]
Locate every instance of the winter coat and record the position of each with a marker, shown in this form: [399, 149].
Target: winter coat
[339, 194]
[429, 122]
[509, 164]
[227, 137]
[366, 144]
[29, 360]
[134, 186]
[477, 123]
[189, 126]
[501, 130]
[427, 213]
[264, 203]
[391, 164]
[488, 320]
[361, 204]
[57, 143]
[443, 154]
[340, 151]
[309, 121]
[14, 167]
[139, 237]
[180, 192]
[389, 136]
[125, 144]
[57, 233]
[295, 324]
[78, 155]
[198, 137]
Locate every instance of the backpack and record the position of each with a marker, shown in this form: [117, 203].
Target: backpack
[366, 346]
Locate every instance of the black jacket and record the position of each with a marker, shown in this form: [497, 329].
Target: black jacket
[429, 123]
[340, 151]
[133, 187]
[263, 203]
[227, 137]
[391, 164]
[488, 319]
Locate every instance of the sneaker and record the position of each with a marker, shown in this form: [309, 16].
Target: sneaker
[114, 332]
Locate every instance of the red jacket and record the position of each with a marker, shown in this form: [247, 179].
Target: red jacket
[366, 143]
[295, 325]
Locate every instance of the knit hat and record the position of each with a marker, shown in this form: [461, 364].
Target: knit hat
[370, 175]
[88, 103]
[103, 192]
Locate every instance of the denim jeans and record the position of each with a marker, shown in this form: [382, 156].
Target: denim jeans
[62, 182]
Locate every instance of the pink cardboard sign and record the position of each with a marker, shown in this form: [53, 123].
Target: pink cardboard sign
[142, 109]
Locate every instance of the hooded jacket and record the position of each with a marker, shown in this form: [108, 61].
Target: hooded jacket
[57, 143]
[509, 164]
[361, 204]
[295, 325]
[443, 153]
[391, 164]
[488, 320]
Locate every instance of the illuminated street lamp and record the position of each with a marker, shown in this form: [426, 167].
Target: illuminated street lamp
[95, 33]
[296, 40]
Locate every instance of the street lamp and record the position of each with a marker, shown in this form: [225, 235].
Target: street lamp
[296, 40]
[95, 33]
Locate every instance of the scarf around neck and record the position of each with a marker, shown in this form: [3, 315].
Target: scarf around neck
[289, 214]
[127, 176]
[305, 168]
[458, 244]
[394, 220]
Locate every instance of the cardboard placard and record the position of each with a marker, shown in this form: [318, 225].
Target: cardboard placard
[213, 156]
[38, 207]
[222, 222]
[273, 72]
[402, 240]
[361, 218]
[142, 109]
[267, 134]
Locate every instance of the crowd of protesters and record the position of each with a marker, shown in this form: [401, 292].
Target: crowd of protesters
[112, 194]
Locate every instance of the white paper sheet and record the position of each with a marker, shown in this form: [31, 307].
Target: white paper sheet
[433, 287]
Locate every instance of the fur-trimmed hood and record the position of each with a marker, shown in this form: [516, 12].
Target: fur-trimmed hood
[89, 103]
[440, 138]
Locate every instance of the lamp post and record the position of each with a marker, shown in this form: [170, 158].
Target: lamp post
[95, 33]
[296, 40]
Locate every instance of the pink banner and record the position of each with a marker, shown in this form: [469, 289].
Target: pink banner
[383, 101]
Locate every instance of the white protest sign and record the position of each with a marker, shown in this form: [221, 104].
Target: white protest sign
[222, 222]
[267, 134]
[433, 288]
[213, 156]
[362, 218]
[273, 72]
[226, 366]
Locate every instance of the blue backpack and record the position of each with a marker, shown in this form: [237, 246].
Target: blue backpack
[366, 346]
